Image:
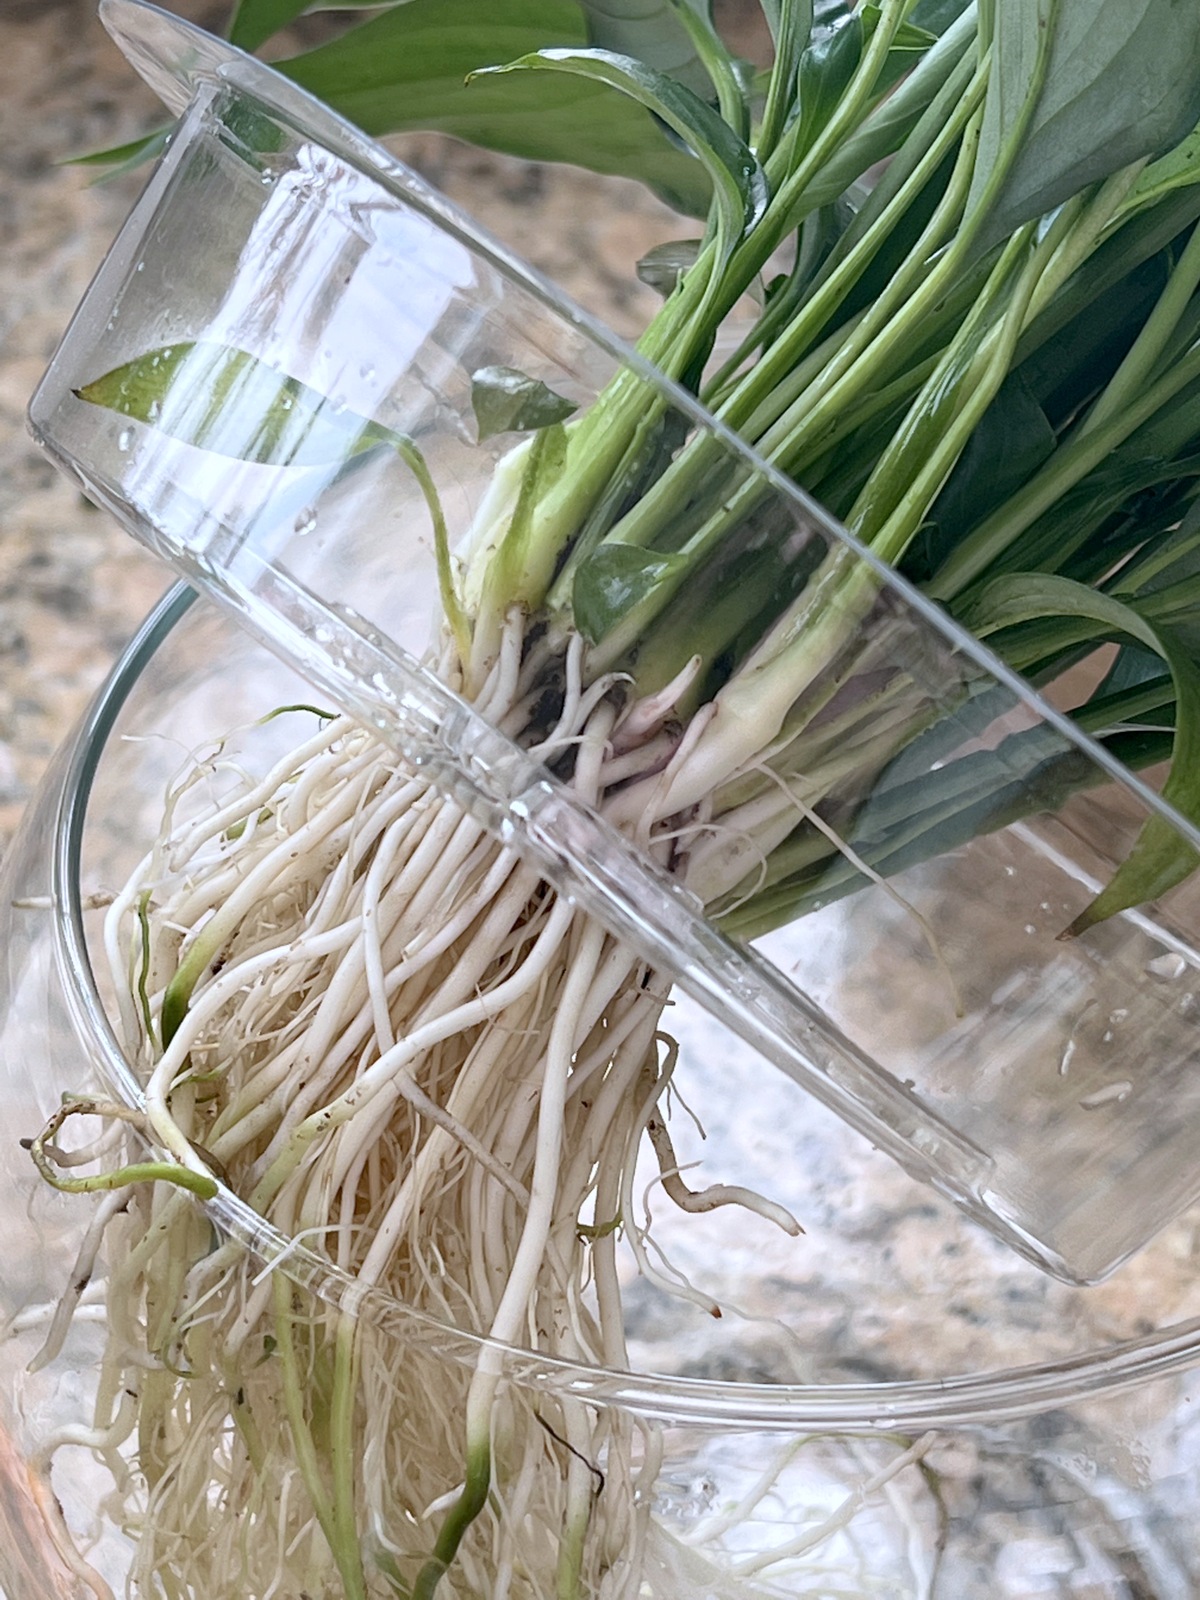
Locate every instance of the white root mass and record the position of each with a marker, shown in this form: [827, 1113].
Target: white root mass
[383, 1032]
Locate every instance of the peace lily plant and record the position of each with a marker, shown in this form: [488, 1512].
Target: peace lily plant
[986, 362]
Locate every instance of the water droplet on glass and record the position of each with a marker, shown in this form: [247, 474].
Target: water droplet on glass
[1118, 1015]
[267, 177]
[367, 370]
[1010, 872]
[1030, 928]
[322, 634]
[1170, 966]
[305, 522]
[1111, 1093]
[124, 439]
[154, 410]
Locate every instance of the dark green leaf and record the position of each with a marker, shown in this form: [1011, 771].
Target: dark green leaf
[904, 823]
[408, 68]
[826, 67]
[1122, 81]
[1074, 537]
[254, 21]
[1071, 366]
[228, 401]
[1167, 561]
[508, 401]
[1138, 240]
[1161, 857]
[1012, 440]
[613, 579]
[739, 185]
[1134, 667]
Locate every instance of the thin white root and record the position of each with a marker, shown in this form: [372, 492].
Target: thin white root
[812, 1538]
[715, 1194]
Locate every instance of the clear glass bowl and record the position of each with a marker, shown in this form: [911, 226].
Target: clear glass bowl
[1043, 1438]
[1048, 1086]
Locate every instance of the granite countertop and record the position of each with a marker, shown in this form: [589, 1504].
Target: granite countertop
[73, 586]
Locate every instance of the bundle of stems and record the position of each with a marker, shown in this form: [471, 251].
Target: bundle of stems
[374, 1023]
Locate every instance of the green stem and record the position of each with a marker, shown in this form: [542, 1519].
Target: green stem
[197, 1183]
[342, 1443]
[460, 1517]
[792, 418]
[771, 386]
[845, 148]
[781, 88]
[451, 604]
[888, 523]
[347, 1556]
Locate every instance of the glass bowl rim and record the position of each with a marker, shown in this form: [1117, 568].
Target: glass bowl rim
[899, 1405]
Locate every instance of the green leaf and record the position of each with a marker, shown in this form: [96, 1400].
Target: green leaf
[1161, 857]
[122, 158]
[660, 269]
[740, 189]
[650, 31]
[1121, 82]
[254, 21]
[408, 68]
[227, 401]
[508, 401]
[1176, 170]
[614, 579]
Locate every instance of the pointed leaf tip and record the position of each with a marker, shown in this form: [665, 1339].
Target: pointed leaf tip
[506, 400]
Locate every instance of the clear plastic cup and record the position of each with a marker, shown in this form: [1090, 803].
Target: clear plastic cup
[335, 305]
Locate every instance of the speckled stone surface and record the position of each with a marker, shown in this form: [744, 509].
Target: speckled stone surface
[72, 585]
